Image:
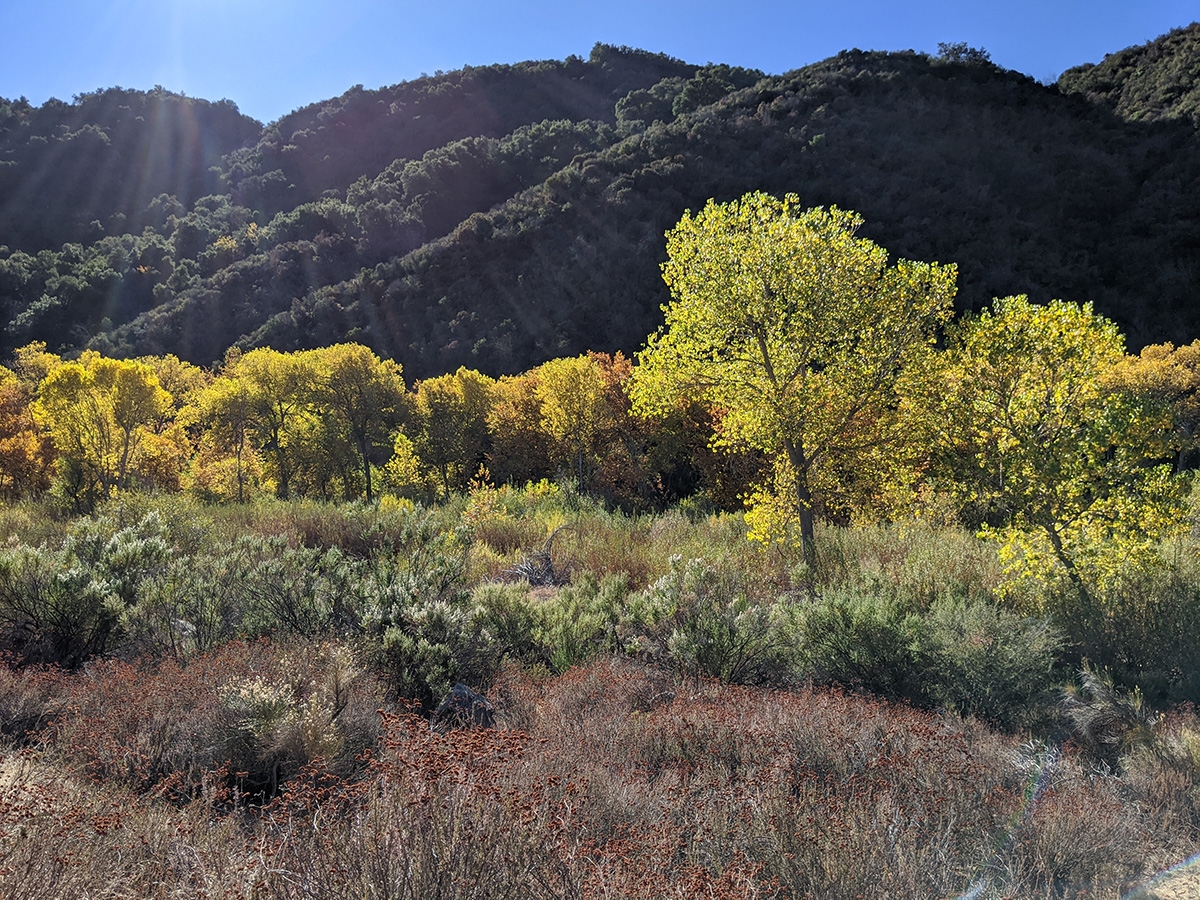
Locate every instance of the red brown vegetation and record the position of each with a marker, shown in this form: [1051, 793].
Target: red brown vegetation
[613, 780]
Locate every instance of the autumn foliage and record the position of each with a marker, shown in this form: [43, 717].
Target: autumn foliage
[215, 682]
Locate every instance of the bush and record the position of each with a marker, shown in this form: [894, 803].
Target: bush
[248, 715]
[581, 620]
[872, 642]
[1144, 629]
[121, 557]
[310, 706]
[992, 663]
[53, 610]
[419, 620]
[700, 618]
[298, 590]
[506, 616]
[1107, 722]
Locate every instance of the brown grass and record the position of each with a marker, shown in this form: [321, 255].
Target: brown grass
[610, 781]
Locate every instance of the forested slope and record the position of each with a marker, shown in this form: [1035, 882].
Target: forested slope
[501, 216]
[72, 171]
[1158, 80]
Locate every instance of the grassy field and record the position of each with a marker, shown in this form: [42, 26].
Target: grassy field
[231, 702]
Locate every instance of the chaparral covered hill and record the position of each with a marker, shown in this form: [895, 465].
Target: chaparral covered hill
[500, 216]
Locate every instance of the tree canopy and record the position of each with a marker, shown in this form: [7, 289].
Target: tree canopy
[1048, 442]
[800, 332]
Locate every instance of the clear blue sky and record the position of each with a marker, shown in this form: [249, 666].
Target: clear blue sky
[272, 56]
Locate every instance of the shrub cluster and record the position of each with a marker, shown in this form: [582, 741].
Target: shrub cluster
[547, 579]
[669, 698]
[612, 780]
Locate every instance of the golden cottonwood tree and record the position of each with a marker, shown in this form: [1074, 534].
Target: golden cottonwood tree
[363, 394]
[451, 433]
[1044, 444]
[226, 412]
[798, 332]
[97, 411]
[32, 363]
[571, 394]
[520, 448]
[26, 451]
[1166, 379]
[281, 388]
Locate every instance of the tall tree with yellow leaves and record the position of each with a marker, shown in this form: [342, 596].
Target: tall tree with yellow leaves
[798, 331]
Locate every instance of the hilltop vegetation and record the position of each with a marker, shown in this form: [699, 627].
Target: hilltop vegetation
[501, 216]
[1157, 80]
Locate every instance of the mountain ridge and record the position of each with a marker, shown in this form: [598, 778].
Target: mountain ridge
[499, 251]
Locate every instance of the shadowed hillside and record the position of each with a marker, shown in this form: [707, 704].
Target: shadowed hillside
[72, 171]
[500, 216]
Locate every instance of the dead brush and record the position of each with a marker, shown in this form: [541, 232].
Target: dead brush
[258, 712]
[622, 782]
[28, 702]
[446, 816]
[538, 568]
[65, 837]
[1107, 722]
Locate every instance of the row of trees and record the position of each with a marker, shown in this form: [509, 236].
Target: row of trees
[338, 422]
[797, 371]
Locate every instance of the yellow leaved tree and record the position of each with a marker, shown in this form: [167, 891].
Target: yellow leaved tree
[98, 410]
[800, 334]
[1053, 441]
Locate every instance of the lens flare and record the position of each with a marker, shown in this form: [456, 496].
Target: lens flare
[1040, 764]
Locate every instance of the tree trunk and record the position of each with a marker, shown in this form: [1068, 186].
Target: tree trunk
[241, 477]
[804, 505]
[364, 446]
[1068, 564]
[120, 485]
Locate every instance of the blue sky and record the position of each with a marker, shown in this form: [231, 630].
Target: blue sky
[271, 56]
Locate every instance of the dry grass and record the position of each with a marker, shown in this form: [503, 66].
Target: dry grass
[611, 781]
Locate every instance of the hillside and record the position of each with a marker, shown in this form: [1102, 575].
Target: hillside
[72, 171]
[1158, 80]
[499, 216]
[329, 145]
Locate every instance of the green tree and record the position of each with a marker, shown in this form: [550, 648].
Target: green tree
[799, 332]
[364, 394]
[451, 430]
[571, 393]
[1045, 444]
[97, 410]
